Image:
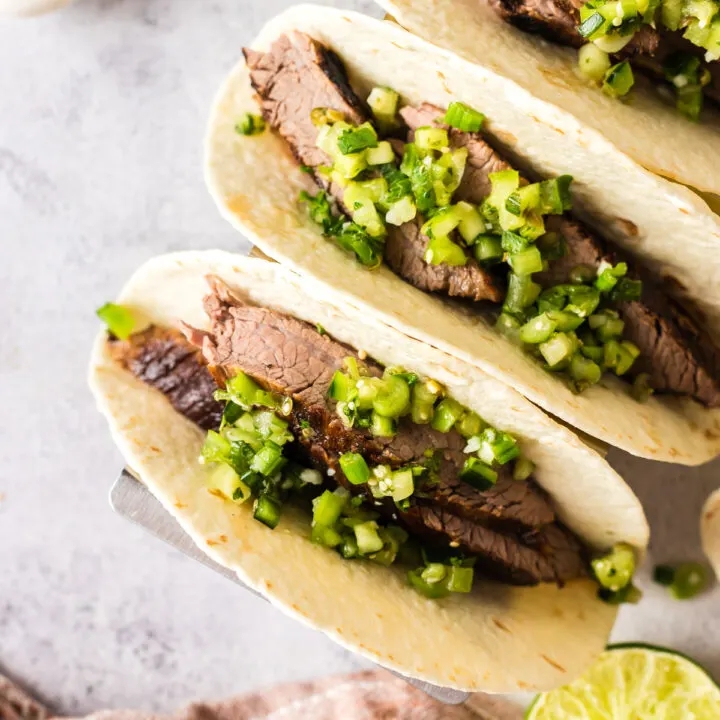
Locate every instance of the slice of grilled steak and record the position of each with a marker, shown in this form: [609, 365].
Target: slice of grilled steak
[298, 75]
[680, 357]
[405, 254]
[558, 20]
[507, 524]
[552, 553]
[482, 160]
[165, 360]
[676, 352]
[553, 19]
[509, 505]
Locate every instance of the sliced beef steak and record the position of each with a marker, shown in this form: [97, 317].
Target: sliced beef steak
[678, 356]
[558, 20]
[482, 160]
[552, 554]
[165, 360]
[553, 19]
[512, 527]
[405, 254]
[298, 75]
[506, 524]
[405, 247]
[509, 505]
[287, 355]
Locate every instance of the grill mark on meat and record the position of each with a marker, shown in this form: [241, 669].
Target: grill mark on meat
[165, 360]
[281, 362]
[297, 75]
[674, 350]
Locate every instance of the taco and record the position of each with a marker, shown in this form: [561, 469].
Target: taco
[410, 506]
[308, 155]
[646, 98]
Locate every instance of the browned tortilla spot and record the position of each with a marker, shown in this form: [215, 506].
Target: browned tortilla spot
[628, 227]
[550, 661]
[500, 625]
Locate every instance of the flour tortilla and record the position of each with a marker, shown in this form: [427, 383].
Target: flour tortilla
[255, 183]
[498, 638]
[710, 531]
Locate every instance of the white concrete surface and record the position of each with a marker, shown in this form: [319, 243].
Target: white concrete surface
[102, 112]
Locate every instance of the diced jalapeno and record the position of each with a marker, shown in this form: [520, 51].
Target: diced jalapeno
[367, 538]
[447, 413]
[537, 330]
[393, 397]
[120, 320]
[429, 138]
[557, 349]
[424, 395]
[355, 468]
[267, 511]
[463, 117]
[327, 508]
[689, 580]
[382, 426]
[478, 474]
[615, 570]
[523, 469]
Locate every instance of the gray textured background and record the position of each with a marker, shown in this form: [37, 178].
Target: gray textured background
[102, 112]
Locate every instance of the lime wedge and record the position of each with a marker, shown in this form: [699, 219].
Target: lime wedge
[633, 682]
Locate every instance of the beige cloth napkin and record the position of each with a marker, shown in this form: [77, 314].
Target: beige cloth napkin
[371, 695]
